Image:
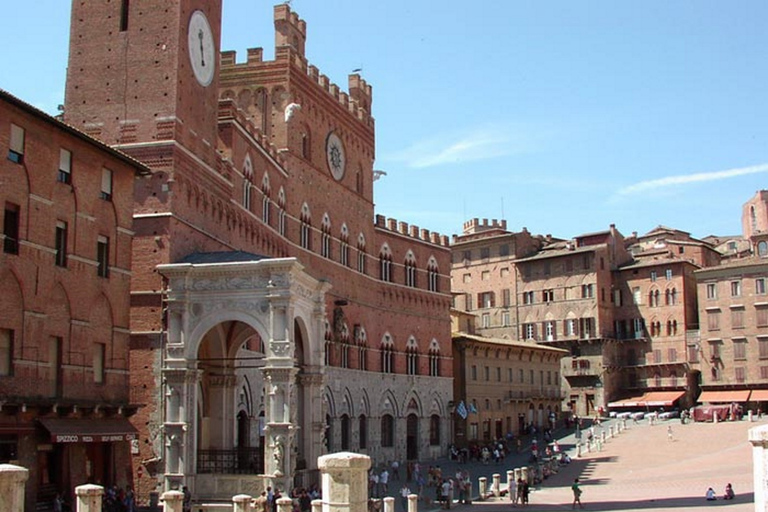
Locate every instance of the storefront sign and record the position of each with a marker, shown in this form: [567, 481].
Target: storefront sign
[106, 438]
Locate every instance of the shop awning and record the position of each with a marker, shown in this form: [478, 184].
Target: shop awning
[627, 402]
[759, 395]
[650, 399]
[89, 431]
[661, 398]
[724, 397]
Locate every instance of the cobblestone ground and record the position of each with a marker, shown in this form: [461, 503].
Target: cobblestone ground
[641, 469]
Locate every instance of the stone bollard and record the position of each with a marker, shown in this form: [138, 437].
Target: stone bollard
[623, 423]
[12, 480]
[610, 431]
[518, 474]
[468, 494]
[602, 436]
[510, 480]
[482, 487]
[525, 474]
[578, 449]
[496, 488]
[714, 417]
[413, 503]
[173, 501]
[389, 504]
[241, 503]
[344, 482]
[89, 498]
[758, 438]
[286, 505]
[317, 506]
[749, 416]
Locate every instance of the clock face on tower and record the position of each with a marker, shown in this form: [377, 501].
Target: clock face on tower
[334, 152]
[202, 52]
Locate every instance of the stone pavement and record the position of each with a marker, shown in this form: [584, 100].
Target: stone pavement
[638, 470]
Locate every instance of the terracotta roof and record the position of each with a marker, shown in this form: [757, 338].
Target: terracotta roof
[508, 342]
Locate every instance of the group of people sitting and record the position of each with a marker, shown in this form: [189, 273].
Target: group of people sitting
[727, 495]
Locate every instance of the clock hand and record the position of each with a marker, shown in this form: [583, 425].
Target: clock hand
[202, 53]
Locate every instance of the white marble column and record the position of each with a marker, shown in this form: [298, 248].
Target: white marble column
[89, 497]
[12, 479]
[344, 478]
[758, 436]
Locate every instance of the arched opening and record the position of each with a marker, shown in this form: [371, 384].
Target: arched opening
[230, 358]
[412, 437]
[345, 432]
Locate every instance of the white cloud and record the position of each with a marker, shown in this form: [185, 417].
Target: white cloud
[482, 144]
[684, 179]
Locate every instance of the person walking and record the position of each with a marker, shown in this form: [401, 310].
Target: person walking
[669, 433]
[576, 494]
[405, 491]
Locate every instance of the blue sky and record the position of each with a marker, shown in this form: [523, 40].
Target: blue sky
[560, 116]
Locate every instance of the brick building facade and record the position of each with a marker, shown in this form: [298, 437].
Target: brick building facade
[334, 332]
[65, 270]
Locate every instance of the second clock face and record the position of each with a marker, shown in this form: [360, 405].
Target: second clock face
[202, 51]
[334, 152]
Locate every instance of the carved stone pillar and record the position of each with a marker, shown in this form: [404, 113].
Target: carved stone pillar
[179, 426]
[758, 437]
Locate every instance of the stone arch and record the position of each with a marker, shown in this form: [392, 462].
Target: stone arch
[219, 318]
[388, 404]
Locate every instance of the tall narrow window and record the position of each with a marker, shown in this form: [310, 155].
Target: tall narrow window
[385, 264]
[11, 229]
[6, 352]
[102, 256]
[281, 212]
[65, 166]
[305, 235]
[124, 7]
[410, 270]
[387, 355]
[344, 246]
[106, 184]
[325, 237]
[98, 362]
[61, 244]
[16, 149]
[387, 431]
[362, 427]
[266, 203]
[434, 359]
[361, 254]
[412, 358]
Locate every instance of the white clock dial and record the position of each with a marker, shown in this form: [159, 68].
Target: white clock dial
[202, 51]
[334, 152]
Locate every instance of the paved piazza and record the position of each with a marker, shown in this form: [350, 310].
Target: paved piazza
[641, 469]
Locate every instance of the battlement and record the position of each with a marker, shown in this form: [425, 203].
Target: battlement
[475, 226]
[228, 110]
[290, 40]
[403, 228]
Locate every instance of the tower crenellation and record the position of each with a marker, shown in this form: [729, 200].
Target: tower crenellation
[290, 30]
[411, 231]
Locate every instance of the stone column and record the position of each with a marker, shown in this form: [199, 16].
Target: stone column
[510, 479]
[482, 487]
[173, 501]
[241, 503]
[179, 427]
[496, 485]
[518, 474]
[758, 437]
[389, 504]
[284, 504]
[317, 505]
[89, 497]
[525, 475]
[344, 480]
[12, 480]
[413, 503]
